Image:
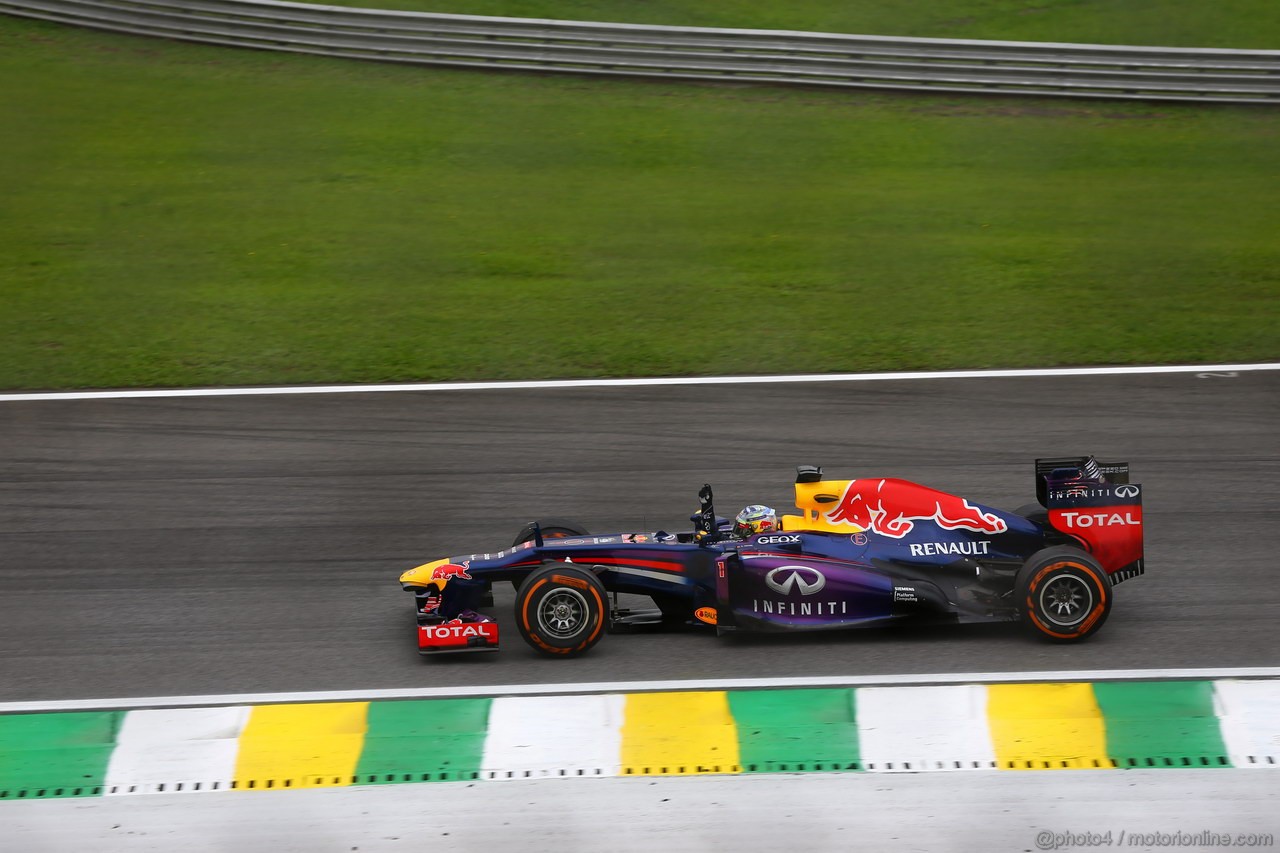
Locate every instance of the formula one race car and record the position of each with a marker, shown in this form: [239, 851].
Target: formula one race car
[859, 553]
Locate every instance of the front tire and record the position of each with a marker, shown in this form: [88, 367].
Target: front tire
[1064, 594]
[561, 610]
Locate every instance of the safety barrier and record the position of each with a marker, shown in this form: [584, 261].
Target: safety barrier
[689, 53]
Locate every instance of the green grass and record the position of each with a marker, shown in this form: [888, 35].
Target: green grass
[1187, 23]
[187, 215]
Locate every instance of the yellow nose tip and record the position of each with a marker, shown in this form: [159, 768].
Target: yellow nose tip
[421, 575]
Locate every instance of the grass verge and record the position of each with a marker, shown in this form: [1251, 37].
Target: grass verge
[187, 215]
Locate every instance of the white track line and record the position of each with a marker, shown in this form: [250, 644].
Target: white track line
[637, 687]
[625, 383]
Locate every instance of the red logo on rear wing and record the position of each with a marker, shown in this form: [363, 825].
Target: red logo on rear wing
[1105, 518]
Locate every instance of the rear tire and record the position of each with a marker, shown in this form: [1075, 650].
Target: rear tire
[1064, 595]
[562, 610]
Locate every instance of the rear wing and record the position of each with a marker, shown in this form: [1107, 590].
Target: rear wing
[1094, 503]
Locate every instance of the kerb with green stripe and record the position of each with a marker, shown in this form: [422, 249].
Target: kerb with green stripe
[790, 730]
[56, 755]
[424, 740]
[1161, 724]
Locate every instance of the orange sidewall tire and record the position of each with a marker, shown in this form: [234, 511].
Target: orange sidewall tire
[1040, 572]
[538, 586]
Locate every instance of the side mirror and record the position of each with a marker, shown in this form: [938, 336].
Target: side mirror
[808, 473]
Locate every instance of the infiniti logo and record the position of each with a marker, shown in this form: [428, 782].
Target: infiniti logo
[786, 578]
[1126, 491]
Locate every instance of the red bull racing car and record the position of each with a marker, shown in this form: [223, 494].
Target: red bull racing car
[859, 553]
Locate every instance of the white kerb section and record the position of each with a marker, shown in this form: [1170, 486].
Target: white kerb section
[536, 736]
[195, 748]
[924, 728]
[1249, 718]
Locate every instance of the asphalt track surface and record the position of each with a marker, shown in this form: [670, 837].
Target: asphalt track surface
[156, 547]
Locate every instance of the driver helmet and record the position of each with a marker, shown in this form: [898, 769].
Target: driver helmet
[755, 519]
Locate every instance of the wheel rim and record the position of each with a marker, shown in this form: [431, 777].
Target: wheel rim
[562, 613]
[1066, 600]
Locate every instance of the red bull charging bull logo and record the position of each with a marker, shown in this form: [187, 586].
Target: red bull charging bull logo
[449, 570]
[891, 508]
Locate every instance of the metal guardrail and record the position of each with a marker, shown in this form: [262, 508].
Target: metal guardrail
[751, 56]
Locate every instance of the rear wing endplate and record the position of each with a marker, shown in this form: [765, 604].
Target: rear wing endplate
[1095, 504]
